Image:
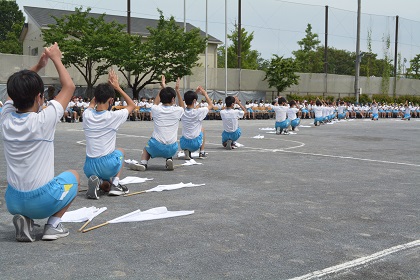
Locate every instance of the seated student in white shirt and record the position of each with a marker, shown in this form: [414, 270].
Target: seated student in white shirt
[231, 130]
[280, 108]
[193, 138]
[103, 164]
[163, 143]
[28, 138]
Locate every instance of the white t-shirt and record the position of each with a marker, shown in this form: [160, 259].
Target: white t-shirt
[291, 113]
[318, 111]
[101, 130]
[166, 122]
[192, 122]
[28, 141]
[281, 112]
[230, 119]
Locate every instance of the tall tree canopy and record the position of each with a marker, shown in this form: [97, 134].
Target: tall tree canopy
[306, 59]
[414, 70]
[280, 73]
[11, 23]
[250, 59]
[87, 42]
[167, 50]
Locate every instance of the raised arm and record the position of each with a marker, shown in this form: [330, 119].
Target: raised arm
[178, 94]
[162, 86]
[67, 85]
[237, 101]
[204, 93]
[113, 81]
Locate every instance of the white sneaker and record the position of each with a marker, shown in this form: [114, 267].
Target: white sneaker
[169, 164]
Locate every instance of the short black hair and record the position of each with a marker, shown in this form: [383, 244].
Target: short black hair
[292, 103]
[189, 97]
[166, 95]
[282, 100]
[318, 102]
[103, 92]
[229, 101]
[23, 87]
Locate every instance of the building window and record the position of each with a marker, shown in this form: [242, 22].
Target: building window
[34, 52]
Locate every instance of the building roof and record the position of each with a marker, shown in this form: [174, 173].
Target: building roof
[43, 17]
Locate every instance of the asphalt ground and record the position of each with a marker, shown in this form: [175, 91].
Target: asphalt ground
[280, 207]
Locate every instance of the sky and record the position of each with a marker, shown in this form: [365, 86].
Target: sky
[277, 25]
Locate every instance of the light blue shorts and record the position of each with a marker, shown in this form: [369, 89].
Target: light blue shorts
[231, 135]
[295, 122]
[319, 119]
[157, 149]
[44, 201]
[375, 116]
[284, 124]
[191, 145]
[341, 116]
[407, 116]
[104, 167]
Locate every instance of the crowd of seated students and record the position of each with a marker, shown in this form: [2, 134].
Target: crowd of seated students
[258, 109]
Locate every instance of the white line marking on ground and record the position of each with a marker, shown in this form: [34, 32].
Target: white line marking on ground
[353, 158]
[358, 262]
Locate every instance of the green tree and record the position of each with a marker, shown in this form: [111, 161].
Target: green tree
[168, 50]
[414, 70]
[281, 73]
[306, 59]
[250, 59]
[11, 23]
[87, 43]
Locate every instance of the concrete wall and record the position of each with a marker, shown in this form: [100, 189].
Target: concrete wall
[238, 80]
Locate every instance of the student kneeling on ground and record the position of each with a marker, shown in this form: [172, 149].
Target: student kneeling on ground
[103, 165]
[28, 138]
[163, 143]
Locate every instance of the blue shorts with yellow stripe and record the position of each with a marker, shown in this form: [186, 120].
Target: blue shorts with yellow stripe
[44, 201]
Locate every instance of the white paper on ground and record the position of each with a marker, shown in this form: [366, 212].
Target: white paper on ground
[267, 128]
[292, 133]
[258, 136]
[193, 154]
[82, 215]
[271, 132]
[133, 180]
[305, 126]
[191, 162]
[128, 161]
[173, 187]
[151, 214]
[238, 144]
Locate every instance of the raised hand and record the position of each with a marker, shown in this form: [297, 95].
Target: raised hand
[113, 79]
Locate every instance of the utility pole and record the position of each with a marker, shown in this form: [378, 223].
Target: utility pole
[326, 52]
[358, 56]
[226, 71]
[239, 42]
[396, 57]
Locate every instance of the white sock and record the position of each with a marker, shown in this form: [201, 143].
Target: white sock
[54, 221]
[202, 151]
[115, 181]
[144, 162]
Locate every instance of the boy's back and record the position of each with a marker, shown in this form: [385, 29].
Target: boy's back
[38, 129]
[192, 121]
[166, 122]
[230, 119]
[101, 130]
